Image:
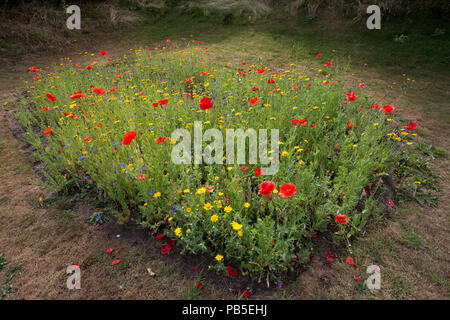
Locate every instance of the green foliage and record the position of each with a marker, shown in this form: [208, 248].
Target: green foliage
[342, 149]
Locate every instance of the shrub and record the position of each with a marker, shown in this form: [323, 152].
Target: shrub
[110, 127]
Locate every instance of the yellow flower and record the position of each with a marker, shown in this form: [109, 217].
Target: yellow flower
[186, 190]
[240, 233]
[227, 209]
[156, 195]
[219, 257]
[171, 218]
[214, 218]
[207, 206]
[201, 190]
[284, 154]
[236, 226]
[188, 209]
[178, 232]
[246, 204]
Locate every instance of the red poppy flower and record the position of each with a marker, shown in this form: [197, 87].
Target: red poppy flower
[77, 95]
[141, 177]
[163, 102]
[318, 55]
[206, 103]
[210, 189]
[160, 236]
[257, 172]
[109, 251]
[362, 85]
[358, 279]
[98, 91]
[232, 272]
[51, 97]
[350, 261]
[350, 124]
[119, 76]
[199, 285]
[103, 52]
[295, 121]
[116, 261]
[254, 100]
[391, 203]
[166, 249]
[351, 96]
[155, 104]
[33, 69]
[287, 190]
[87, 139]
[89, 67]
[261, 70]
[375, 106]
[246, 294]
[295, 87]
[255, 89]
[45, 108]
[266, 188]
[128, 137]
[188, 80]
[328, 63]
[172, 242]
[411, 126]
[303, 122]
[330, 256]
[341, 218]
[243, 168]
[388, 109]
[270, 81]
[160, 140]
[49, 130]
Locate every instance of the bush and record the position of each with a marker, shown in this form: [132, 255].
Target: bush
[334, 148]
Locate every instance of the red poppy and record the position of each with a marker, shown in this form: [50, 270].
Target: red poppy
[33, 69]
[351, 96]
[199, 285]
[188, 80]
[391, 203]
[109, 251]
[246, 294]
[257, 172]
[358, 278]
[255, 89]
[160, 236]
[270, 81]
[330, 256]
[119, 76]
[51, 97]
[350, 124]
[318, 55]
[206, 103]
[303, 122]
[232, 272]
[350, 261]
[287, 190]
[375, 106]
[388, 109]
[160, 140]
[295, 121]
[163, 102]
[141, 177]
[362, 85]
[411, 126]
[166, 249]
[155, 104]
[45, 108]
[103, 52]
[87, 139]
[49, 130]
[328, 63]
[128, 137]
[295, 87]
[243, 168]
[254, 100]
[266, 188]
[77, 95]
[261, 70]
[116, 261]
[341, 218]
[172, 242]
[210, 189]
[89, 67]
[99, 91]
